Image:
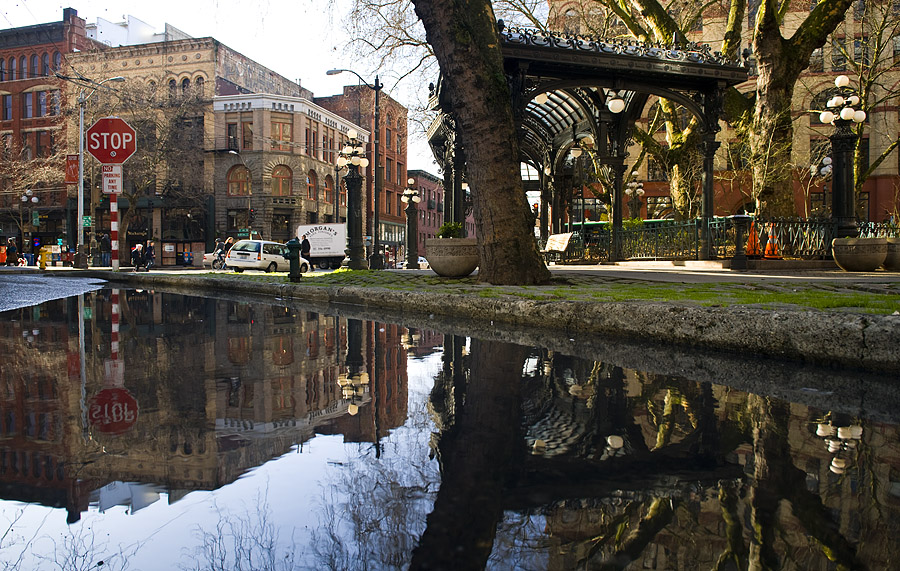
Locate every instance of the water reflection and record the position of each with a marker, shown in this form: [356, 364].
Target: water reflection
[496, 455]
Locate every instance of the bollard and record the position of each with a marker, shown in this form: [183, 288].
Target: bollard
[293, 255]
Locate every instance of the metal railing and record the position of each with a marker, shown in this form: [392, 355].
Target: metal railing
[878, 230]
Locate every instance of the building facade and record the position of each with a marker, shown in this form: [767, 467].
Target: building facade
[357, 104]
[431, 207]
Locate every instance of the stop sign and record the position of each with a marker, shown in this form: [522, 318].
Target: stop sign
[113, 410]
[111, 140]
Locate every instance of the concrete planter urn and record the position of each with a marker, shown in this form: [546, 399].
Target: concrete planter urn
[452, 257]
[892, 260]
[859, 254]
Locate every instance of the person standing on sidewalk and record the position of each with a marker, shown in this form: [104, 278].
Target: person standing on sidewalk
[137, 257]
[149, 255]
[105, 250]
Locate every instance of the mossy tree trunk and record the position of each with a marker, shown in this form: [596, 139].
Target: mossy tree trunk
[465, 39]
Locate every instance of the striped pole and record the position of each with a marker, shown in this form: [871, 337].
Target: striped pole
[114, 229]
[115, 370]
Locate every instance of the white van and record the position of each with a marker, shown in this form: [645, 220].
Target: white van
[261, 255]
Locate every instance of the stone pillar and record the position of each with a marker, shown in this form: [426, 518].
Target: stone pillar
[710, 145]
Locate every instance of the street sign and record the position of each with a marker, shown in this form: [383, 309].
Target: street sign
[87, 221]
[35, 218]
[111, 140]
[112, 179]
[113, 410]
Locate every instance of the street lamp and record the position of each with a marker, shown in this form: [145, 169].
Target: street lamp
[27, 197]
[634, 190]
[80, 258]
[411, 198]
[376, 262]
[842, 112]
[352, 157]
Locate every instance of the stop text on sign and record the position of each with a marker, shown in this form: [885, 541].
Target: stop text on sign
[111, 140]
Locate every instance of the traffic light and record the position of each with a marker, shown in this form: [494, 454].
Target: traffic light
[252, 215]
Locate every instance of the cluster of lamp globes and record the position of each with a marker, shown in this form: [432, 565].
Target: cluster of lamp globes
[29, 195]
[839, 439]
[576, 150]
[843, 106]
[634, 187]
[824, 170]
[410, 193]
[352, 387]
[353, 153]
[614, 103]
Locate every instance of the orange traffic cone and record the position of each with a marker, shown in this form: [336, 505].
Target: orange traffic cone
[772, 250]
[753, 242]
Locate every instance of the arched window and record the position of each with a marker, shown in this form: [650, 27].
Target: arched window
[34, 65]
[2, 69]
[343, 194]
[312, 182]
[12, 68]
[173, 88]
[57, 61]
[45, 64]
[185, 85]
[570, 22]
[200, 84]
[23, 68]
[281, 181]
[239, 181]
[329, 189]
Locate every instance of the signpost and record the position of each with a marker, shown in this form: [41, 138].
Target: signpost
[111, 141]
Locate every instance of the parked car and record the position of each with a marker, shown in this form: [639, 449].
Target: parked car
[261, 255]
[423, 264]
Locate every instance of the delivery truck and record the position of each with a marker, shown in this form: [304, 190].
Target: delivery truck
[327, 243]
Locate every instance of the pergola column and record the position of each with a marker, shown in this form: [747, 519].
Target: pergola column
[617, 164]
[710, 146]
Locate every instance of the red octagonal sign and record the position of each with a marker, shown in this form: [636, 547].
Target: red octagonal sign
[111, 140]
[113, 410]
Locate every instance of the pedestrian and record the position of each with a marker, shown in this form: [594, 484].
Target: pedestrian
[105, 250]
[12, 253]
[304, 248]
[228, 244]
[137, 256]
[149, 255]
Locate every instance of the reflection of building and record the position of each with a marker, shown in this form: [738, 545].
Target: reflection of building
[221, 387]
[431, 208]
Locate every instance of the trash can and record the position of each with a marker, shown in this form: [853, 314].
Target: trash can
[188, 258]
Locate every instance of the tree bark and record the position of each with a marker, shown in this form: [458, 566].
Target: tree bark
[465, 39]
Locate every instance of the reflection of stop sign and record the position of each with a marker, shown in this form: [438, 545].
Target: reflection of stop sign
[112, 410]
[111, 140]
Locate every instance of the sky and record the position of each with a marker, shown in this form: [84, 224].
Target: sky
[299, 39]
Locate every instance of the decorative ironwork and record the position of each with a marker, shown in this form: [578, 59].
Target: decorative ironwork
[690, 52]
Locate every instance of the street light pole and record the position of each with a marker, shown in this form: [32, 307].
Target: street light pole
[80, 258]
[376, 260]
[351, 156]
[411, 198]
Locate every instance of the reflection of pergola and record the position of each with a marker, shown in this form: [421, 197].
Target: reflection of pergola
[568, 88]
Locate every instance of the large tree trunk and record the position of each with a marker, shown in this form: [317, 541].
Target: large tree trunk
[465, 39]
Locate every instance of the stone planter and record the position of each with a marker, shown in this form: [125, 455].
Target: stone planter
[892, 260]
[452, 257]
[859, 254]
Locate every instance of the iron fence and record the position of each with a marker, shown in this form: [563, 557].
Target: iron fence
[878, 230]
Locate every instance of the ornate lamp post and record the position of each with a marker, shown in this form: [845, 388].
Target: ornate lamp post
[27, 197]
[411, 198]
[843, 114]
[634, 190]
[352, 157]
[376, 261]
[823, 169]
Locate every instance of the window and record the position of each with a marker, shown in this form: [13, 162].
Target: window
[387, 137]
[41, 104]
[311, 183]
[232, 136]
[838, 55]
[281, 136]
[896, 41]
[23, 68]
[3, 63]
[57, 61]
[655, 171]
[387, 170]
[400, 181]
[388, 202]
[400, 204]
[859, 9]
[54, 102]
[200, 85]
[399, 142]
[34, 65]
[247, 135]
[185, 86]
[45, 64]
[343, 194]
[7, 107]
[172, 88]
[329, 189]
[816, 61]
[27, 106]
[282, 178]
[43, 144]
[12, 68]
[239, 181]
[861, 50]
